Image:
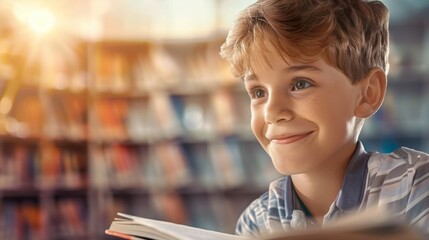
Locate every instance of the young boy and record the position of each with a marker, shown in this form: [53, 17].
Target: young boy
[315, 70]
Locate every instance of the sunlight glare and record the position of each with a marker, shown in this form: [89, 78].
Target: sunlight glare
[38, 19]
[41, 21]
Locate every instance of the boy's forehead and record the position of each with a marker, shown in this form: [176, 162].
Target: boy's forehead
[263, 58]
[275, 60]
[290, 69]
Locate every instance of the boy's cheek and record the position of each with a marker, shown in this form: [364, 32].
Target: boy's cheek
[257, 126]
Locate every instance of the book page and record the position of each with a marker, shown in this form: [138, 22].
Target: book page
[375, 224]
[180, 232]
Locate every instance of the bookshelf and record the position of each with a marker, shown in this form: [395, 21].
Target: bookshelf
[160, 129]
[152, 128]
[169, 139]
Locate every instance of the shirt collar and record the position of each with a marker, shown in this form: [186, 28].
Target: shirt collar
[354, 182]
[351, 192]
[290, 194]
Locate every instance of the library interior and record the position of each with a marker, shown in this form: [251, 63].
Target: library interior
[113, 106]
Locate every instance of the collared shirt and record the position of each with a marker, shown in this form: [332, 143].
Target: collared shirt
[398, 180]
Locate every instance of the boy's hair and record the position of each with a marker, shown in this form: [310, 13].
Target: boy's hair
[351, 35]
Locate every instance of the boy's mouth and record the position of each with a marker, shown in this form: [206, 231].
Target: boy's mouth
[290, 138]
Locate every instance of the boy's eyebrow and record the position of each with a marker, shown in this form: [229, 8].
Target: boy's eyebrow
[297, 68]
[252, 77]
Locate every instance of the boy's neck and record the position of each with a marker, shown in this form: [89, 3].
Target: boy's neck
[317, 195]
[319, 189]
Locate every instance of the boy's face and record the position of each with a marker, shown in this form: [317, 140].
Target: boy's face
[303, 114]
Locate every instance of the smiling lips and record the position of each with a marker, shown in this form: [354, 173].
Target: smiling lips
[289, 139]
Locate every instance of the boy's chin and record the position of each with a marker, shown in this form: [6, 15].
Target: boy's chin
[288, 169]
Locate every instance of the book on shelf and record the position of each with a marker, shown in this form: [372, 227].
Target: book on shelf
[110, 115]
[227, 163]
[59, 166]
[123, 166]
[138, 121]
[174, 168]
[19, 166]
[170, 206]
[71, 215]
[193, 114]
[21, 219]
[27, 114]
[225, 112]
[110, 70]
[373, 224]
[164, 67]
[164, 117]
[116, 166]
[201, 169]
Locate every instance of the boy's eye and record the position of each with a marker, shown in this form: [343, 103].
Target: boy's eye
[301, 84]
[257, 93]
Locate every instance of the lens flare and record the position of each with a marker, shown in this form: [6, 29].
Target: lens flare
[41, 21]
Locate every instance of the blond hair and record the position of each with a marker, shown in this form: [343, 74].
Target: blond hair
[351, 35]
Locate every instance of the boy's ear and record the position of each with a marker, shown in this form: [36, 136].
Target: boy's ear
[373, 90]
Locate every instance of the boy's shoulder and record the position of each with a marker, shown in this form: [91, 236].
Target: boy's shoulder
[412, 156]
[403, 164]
[401, 156]
[400, 181]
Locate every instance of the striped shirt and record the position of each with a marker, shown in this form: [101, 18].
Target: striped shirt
[398, 180]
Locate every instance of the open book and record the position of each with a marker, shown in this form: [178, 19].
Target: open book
[368, 226]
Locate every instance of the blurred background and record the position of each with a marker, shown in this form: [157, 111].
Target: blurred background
[113, 106]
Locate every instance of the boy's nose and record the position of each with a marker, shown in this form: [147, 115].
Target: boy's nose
[278, 109]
